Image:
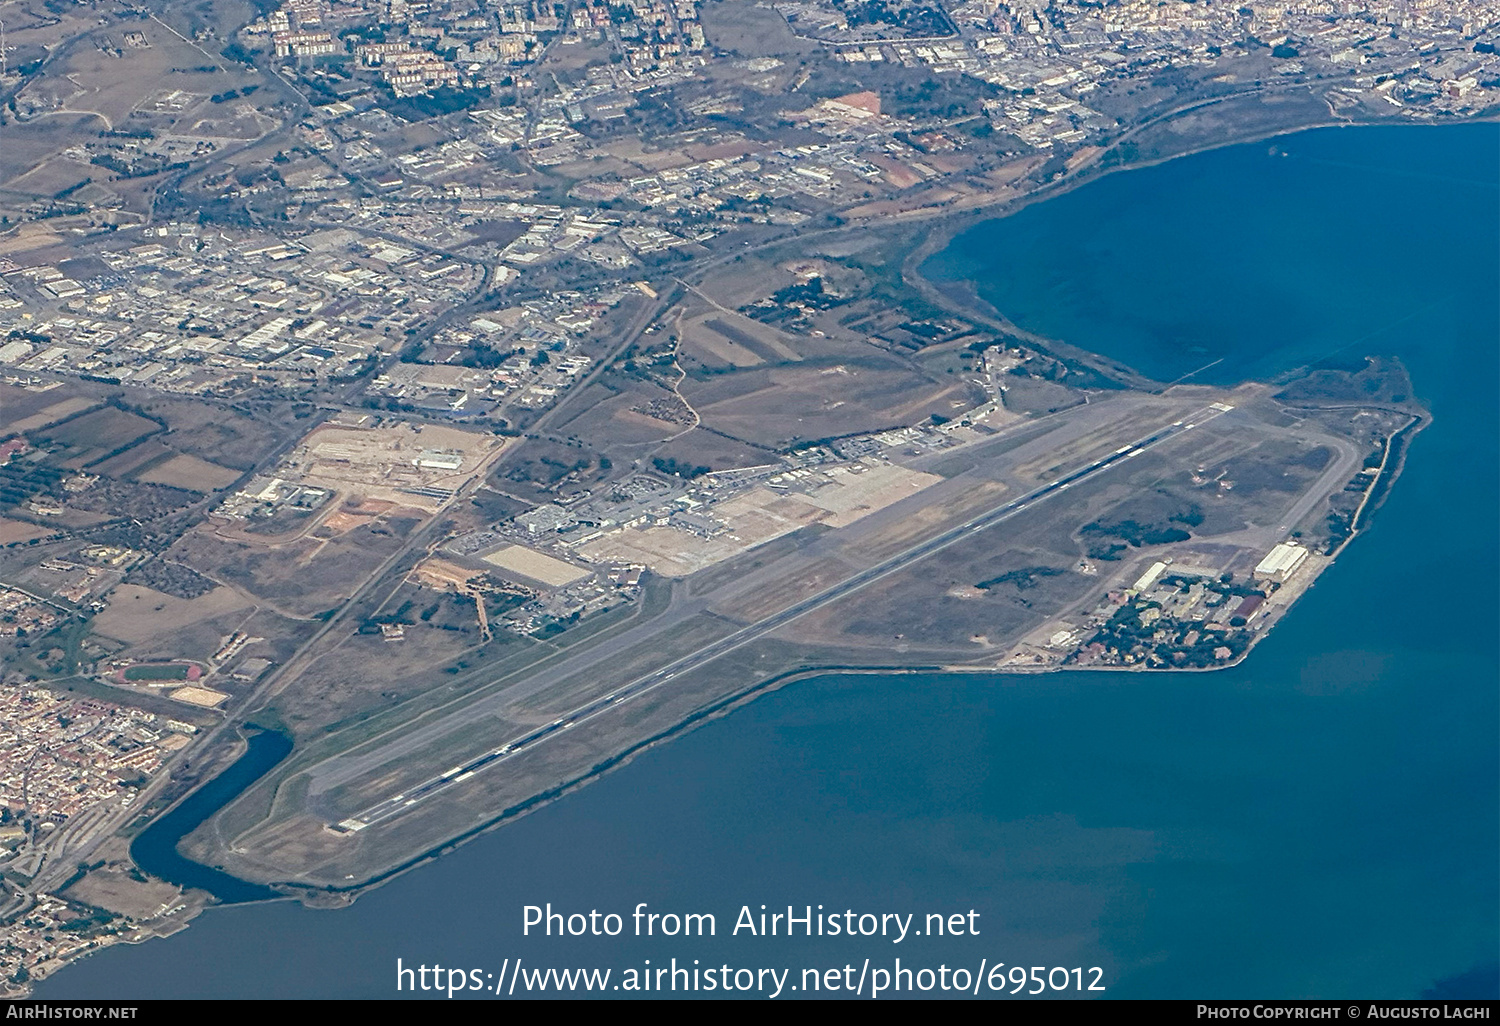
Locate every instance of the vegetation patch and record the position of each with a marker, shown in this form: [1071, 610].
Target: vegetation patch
[161, 671]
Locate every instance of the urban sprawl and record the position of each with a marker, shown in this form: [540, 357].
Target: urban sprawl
[395, 236]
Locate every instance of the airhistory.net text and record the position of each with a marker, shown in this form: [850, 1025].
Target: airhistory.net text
[542, 921]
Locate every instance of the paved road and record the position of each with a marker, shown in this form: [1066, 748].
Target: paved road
[1340, 470]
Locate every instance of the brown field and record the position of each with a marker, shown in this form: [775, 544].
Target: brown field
[659, 427]
[298, 578]
[338, 522]
[713, 348]
[577, 55]
[115, 86]
[112, 888]
[610, 416]
[203, 698]
[76, 519]
[28, 238]
[935, 604]
[102, 431]
[741, 284]
[213, 432]
[370, 507]
[299, 839]
[704, 448]
[29, 144]
[327, 693]
[752, 31]
[781, 406]
[20, 530]
[735, 147]
[192, 473]
[442, 574]
[51, 177]
[722, 338]
[933, 197]
[15, 401]
[137, 615]
[134, 458]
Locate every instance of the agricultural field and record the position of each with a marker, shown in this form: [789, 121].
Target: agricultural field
[189, 472]
[91, 457]
[96, 436]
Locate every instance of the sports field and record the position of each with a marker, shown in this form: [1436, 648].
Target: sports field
[159, 671]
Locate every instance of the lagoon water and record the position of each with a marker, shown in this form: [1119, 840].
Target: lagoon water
[1319, 821]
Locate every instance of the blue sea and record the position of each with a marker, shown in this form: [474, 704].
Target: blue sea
[1320, 821]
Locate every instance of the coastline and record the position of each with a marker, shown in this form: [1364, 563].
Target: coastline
[948, 225]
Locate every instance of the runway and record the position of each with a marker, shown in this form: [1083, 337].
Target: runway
[410, 797]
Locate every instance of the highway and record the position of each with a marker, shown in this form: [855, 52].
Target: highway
[405, 800]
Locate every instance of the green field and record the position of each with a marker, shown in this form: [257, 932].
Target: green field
[168, 671]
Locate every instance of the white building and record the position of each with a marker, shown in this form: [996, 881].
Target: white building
[1149, 577]
[1281, 561]
[437, 459]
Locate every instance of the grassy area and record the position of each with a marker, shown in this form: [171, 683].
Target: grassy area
[66, 639]
[158, 671]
